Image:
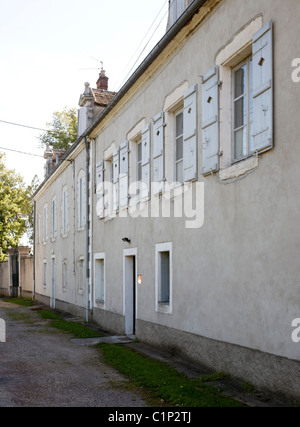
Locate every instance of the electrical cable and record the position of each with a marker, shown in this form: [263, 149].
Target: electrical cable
[143, 41]
[20, 152]
[30, 127]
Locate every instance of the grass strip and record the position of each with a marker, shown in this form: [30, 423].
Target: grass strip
[77, 330]
[25, 302]
[162, 381]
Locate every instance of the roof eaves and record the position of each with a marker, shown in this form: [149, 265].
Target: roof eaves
[156, 51]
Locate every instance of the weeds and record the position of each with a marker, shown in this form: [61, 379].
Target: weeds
[162, 381]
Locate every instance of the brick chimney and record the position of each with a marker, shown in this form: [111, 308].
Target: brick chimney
[102, 82]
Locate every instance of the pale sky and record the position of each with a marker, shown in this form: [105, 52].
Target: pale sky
[46, 44]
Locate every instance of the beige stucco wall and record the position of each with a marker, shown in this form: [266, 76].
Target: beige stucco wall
[235, 279]
[69, 248]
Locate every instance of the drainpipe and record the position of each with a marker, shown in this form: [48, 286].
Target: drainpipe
[87, 257]
[34, 225]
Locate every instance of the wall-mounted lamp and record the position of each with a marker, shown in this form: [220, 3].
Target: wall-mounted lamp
[140, 279]
[125, 239]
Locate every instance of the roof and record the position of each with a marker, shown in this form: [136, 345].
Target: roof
[192, 9]
[102, 97]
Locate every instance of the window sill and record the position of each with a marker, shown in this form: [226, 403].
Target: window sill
[163, 307]
[238, 170]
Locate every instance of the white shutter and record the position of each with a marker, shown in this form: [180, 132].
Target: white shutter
[100, 189]
[116, 181]
[190, 135]
[146, 145]
[81, 202]
[123, 178]
[158, 152]
[262, 52]
[210, 122]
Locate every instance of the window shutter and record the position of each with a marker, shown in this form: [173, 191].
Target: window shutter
[123, 178]
[100, 189]
[146, 145]
[116, 180]
[81, 202]
[210, 122]
[262, 52]
[158, 151]
[165, 277]
[190, 135]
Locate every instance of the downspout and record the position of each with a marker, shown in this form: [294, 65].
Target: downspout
[34, 234]
[87, 257]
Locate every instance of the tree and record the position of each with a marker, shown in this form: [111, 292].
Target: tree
[62, 131]
[15, 208]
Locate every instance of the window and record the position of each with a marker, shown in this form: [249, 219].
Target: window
[180, 151]
[242, 120]
[139, 161]
[179, 147]
[99, 265]
[237, 103]
[123, 175]
[163, 260]
[164, 278]
[81, 275]
[64, 275]
[80, 206]
[45, 225]
[53, 224]
[39, 228]
[64, 216]
[81, 202]
[45, 274]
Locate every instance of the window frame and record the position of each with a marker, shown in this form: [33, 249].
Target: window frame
[167, 306]
[248, 93]
[176, 137]
[100, 302]
[81, 275]
[64, 216]
[53, 219]
[81, 200]
[237, 49]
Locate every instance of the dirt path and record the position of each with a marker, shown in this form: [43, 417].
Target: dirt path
[41, 367]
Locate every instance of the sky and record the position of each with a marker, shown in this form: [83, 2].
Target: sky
[50, 48]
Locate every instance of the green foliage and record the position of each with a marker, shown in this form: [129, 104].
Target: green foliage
[62, 131]
[15, 208]
[25, 302]
[163, 381]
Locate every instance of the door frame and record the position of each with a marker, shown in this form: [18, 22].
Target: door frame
[130, 290]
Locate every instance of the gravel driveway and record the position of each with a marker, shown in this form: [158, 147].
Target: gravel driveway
[42, 367]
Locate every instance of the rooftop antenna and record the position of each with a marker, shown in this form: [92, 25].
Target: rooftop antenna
[93, 68]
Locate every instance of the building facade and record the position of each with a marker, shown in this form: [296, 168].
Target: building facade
[174, 217]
